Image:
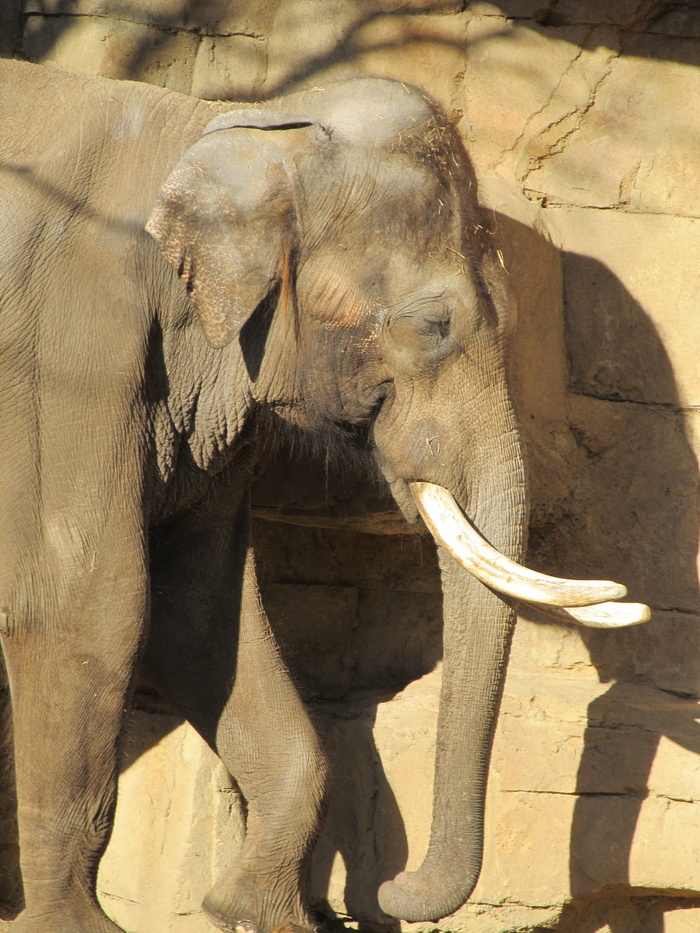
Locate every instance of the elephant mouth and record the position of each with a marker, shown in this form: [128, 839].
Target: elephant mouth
[584, 602]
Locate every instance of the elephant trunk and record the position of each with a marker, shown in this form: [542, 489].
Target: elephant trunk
[477, 630]
[479, 473]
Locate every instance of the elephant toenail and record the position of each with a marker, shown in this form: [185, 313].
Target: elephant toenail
[245, 926]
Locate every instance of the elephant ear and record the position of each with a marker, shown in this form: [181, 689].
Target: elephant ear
[225, 217]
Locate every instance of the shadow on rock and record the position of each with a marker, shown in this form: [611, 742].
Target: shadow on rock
[615, 496]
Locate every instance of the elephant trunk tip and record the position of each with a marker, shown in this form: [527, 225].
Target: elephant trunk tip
[414, 896]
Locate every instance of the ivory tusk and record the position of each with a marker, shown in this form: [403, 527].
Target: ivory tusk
[602, 615]
[450, 528]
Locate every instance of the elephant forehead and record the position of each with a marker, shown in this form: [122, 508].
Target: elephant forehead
[367, 202]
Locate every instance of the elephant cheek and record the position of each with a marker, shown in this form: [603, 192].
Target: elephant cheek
[416, 452]
[403, 457]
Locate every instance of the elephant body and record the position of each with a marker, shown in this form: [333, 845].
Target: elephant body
[95, 459]
[315, 264]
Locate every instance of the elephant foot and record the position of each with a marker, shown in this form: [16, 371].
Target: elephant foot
[227, 925]
[68, 921]
[245, 926]
[241, 911]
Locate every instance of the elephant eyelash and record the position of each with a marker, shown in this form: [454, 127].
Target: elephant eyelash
[436, 322]
[439, 327]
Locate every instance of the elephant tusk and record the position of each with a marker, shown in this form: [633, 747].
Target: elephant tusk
[451, 528]
[602, 615]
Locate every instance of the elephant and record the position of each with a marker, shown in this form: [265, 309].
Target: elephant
[182, 284]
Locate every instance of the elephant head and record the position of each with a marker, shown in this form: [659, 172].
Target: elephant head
[338, 243]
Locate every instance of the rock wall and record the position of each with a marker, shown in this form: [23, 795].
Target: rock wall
[583, 123]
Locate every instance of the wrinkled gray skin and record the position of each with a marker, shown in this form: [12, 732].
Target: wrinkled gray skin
[337, 282]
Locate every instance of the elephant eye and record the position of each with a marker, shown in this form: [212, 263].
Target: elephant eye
[420, 337]
[429, 323]
[433, 325]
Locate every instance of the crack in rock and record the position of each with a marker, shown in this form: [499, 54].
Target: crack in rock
[571, 122]
[531, 119]
[659, 407]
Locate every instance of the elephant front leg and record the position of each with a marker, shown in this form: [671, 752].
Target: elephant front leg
[211, 651]
[69, 679]
[268, 743]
